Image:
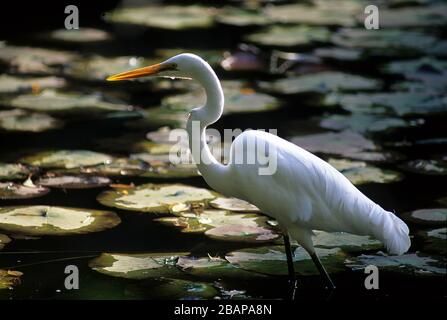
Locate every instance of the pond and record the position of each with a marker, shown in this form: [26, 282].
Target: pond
[85, 176]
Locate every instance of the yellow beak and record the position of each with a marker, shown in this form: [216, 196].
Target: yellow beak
[140, 72]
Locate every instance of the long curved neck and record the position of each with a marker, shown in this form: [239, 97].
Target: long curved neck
[211, 169]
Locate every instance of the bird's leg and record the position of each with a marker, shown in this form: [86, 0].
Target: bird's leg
[289, 254]
[329, 284]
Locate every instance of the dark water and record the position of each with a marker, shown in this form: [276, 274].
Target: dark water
[43, 261]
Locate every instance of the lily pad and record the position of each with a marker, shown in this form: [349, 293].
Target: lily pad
[273, 261]
[35, 60]
[10, 84]
[409, 264]
[116, 168]
[435, 240]
[23, 121]
[242, 17]
[169, 17]
[233, 204]
[4, 239]
[360, 173]
[9, 278]
[55, 221]
[346, 144]
[66, 103]
[427, 167]
[289, 36]
[321, 82]
[341, 54]
[67, 159]
[10, 190]
[138, 266]
[395, 103]
[79, 36]
[13, 171]
[346, 241]
[159, 117]
[427, 217]
[157, 198]
[73, 182]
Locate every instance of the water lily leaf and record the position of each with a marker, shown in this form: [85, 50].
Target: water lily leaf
[360, 173]
[396, 103]
[10, 84]
[238, 98]
[427, 167]
[138, 266]
[289, 36]
[427, 217]
[410, 264]
[4, 239]
[346, 144]
[78, 36]
[67, 159]
[66, 103]
[169, 17]
[157, 198]
[273, 261]
[159, 117]
[233, 204]
[116, 168]
[9, 278]
[242, 233]
[213, 57]
[321, 82]
[336, 53]
[346, 241]
[20, 120]
[55, 221]
[13, 171]
[35, 60]
[242, 17]
[73, 182]
[434, 240]
[10, 190]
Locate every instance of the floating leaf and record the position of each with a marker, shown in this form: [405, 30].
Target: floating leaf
[233, 204]
[9, 278]
[138, 266]
[435, 240]
[117, 167]
[164, 17]
[321, 82]
[10, 84]
[55, 221]
[289, 36]
[10, 190]
[427, 167]
[4, 239]
[411, 264]
[78, 36]
[73, 182]
[159, 198]
[273, 261]
[346, 241]
[67, 159]
[159, 117]
[13, 171]
[427, 217]
[20, 120]
[241, 17]
[342, 54]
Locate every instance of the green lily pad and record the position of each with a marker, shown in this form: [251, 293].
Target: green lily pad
[395, 103]
[360, 173]
[233, 204]
[321, 82]
[79, 36]
[138, 266]
[365, 123]
[116, 168]
[289, 36]
[73, 182]
[242, 17]
[35, 60]
[340, 13]
[20, 120]
[336, 53]
[55, 221]
[427, 217]
[345, 241]
[169, 17]
[409, 264]
[4, 239]
[9, 278]
[10, 84]
[162, 168]
[67, 159]
[157, 198]
[10, 190]
[426, 167]
[13, 171]
[434, 240]
[238, 98]
[273, 261]
[346, 144]
[66, 103]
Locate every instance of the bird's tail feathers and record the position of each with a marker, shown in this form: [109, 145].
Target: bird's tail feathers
[395, 234]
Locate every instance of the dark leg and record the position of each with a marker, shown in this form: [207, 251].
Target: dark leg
[289, 254]
[329, 284]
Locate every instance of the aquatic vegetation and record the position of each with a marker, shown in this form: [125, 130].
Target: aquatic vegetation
[436, 217]
[73, 182]
[427, 167]
[233, 204]
[67, 159]
[13, 171]
[9, 278]
[79, 36]
[4, 239]
[11, 190]
[11, 84]
[435, 240]
[23, 121]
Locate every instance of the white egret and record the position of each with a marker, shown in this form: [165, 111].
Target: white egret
[305, 193]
